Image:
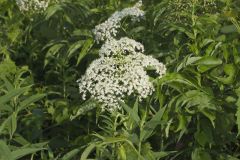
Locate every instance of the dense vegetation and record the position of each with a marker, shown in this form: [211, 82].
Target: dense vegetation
[194, 112]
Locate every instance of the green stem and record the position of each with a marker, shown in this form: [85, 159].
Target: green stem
[139, 150]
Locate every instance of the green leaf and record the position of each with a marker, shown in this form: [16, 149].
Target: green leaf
[4, 124]
[122, 153]
[87, 151]
[30, 100]
[229, 29]
[13, 93]
[183, 121]
[131, 112]
[112, 140]
[236, 56]
[21, 152]
[159, 155]
[84, 108]
[14, 33]
[82, 32]
[200, 154]
[231, 72]
[238, 110]
[202, 138]
[52, 10]
[135, 107]
[10, 123]
[13, 124]
[183, 30]
[210, 115]
[7, 83]
[167, 128]
[5, 153]
[71, 154]
[236, 23]
[206, 42]
[200, 99]
[188, 60]
[207, 62]
[195, 101]
[6, 107]
[20, 139]
[149, 127]
[86, 47]
[74, 47]
[52, 52]
[227, 157]
[179, 81]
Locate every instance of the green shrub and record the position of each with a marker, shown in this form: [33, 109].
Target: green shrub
[194, 112]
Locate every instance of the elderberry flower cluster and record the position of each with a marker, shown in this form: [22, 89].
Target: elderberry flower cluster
[111, 79]
[108, 29]
[32, 5]
[121, 70]
[123, 46]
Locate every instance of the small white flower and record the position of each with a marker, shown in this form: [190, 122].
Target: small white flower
[32, 5]
[123, 46]
[108, 29]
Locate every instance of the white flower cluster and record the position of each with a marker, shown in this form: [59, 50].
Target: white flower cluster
[123, 46]
[116, 75]
[108, 29]
[32, 5]
[121, 70]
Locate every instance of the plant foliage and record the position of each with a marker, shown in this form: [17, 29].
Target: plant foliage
[194, 112]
